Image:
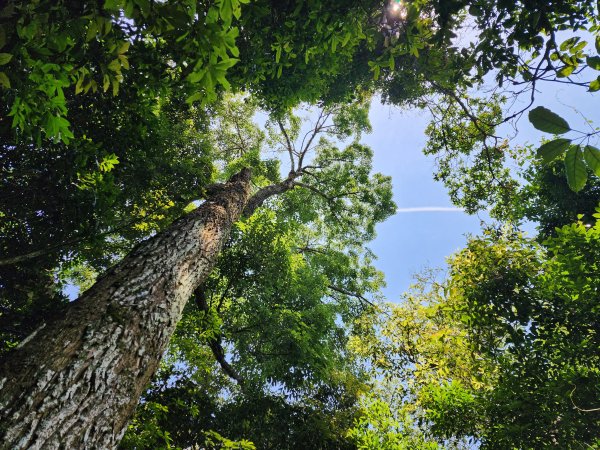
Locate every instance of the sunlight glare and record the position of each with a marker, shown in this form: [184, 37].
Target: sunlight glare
[398, 9]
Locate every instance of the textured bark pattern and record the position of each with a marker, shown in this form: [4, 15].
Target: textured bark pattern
[75, 383]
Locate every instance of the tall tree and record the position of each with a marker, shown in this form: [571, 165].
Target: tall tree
[99, 147]
[263, 346]
[61, 58]
[128, 316]
[76, 381]
[180, 52]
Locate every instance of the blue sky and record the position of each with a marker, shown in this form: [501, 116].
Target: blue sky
[415, 239]
[428, 228]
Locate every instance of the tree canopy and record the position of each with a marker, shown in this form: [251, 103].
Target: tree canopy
[120, 118]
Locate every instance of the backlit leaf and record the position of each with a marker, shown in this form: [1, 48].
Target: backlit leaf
[550, 150]
[5, 58]
[575, 168]
[565, 71]
[4, 81]
[592, 158]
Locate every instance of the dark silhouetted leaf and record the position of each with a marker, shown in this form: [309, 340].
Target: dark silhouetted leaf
[545, 120]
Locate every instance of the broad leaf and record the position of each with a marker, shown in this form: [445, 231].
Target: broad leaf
[124, 61]
[196, 76]
[123, 47]
[194, 97]
[545, 120]
[569, 43]
[115, 65]
[550, 150]
[92, 31]
[226, 63]
[565, 71]
[593, 62]
[108, 162]
[575, 168]
[4, 81]
[592, 158]
[5, 58]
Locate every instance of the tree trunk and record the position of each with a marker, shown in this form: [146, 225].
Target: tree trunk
[75, 382]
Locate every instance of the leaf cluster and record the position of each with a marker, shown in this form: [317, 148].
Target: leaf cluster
[577, 157]
[522, 316]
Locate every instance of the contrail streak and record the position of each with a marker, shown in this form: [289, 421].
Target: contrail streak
[430, 209]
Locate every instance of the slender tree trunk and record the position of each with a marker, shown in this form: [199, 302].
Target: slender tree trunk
[75, 382]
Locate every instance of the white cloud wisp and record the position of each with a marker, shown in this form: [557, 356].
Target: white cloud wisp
[430, 209]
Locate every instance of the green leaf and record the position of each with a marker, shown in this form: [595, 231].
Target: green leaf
[51, 126]
[346, 39]
[565, 71]
[115, 65]
[113, 4]
[194, 77]
[92, 31]
[78, 85]
[551, 150]
[4, 81]
[220, 77]
[5, 58]
[226, 63]
[277, 53]
[194, 97]
[592, 158]
[108, 162]
[593, 62]
[545, 120]
[575, 168]
[578, 47]
[226, 11]
[595, 85]
[212, 15]
[123, 47]
[124, 61]
[128, 10]
[569, 43]
[144, 6]
[237, 9]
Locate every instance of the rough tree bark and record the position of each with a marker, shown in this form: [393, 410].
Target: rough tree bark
[75, 382]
